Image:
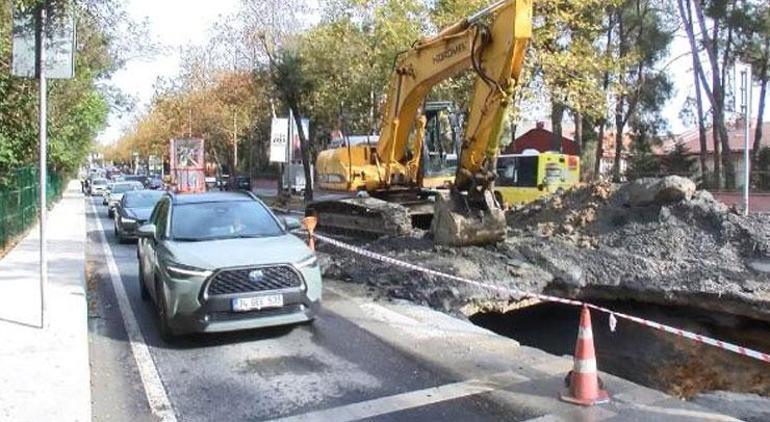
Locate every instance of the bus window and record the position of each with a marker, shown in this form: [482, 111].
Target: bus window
[517, 171]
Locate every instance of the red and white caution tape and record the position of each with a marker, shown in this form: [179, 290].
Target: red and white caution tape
[745, 351]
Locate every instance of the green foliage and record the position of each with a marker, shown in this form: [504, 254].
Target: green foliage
[642, 161]
[762, 169]
[78, 108]
[680, 162]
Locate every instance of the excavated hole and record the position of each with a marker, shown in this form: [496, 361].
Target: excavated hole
[422, 221]
[649, 357]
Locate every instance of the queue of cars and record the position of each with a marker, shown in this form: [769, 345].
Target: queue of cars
[215, 261]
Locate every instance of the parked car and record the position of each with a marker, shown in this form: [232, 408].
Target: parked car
[115, 194]
[97, 186]
[132, 211]
[221, 261]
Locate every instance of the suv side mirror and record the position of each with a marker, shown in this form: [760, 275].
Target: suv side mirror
[146, 231]
[291, 223]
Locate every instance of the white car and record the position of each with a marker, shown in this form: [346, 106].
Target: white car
[115, 194]
[97, 187]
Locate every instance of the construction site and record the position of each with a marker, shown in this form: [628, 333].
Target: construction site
[655, 248]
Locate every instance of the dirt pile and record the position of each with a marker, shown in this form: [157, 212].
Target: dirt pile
[654, 240]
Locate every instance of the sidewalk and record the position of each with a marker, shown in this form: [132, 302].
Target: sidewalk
[45, 373]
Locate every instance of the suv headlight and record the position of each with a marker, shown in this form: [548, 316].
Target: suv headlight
[127, 220]
[310, 261]
[185, 271]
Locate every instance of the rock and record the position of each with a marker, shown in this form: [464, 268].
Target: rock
[650, 190]
[674, 189]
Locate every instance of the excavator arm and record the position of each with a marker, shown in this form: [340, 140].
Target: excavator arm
[471, 215]
[495, 52]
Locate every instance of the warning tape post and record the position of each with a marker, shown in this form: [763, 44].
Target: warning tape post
[518, 293]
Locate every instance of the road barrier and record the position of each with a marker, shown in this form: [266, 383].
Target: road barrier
[19, 201]
[521, 294]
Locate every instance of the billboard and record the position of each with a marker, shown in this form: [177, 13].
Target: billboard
[279, 135]
[281, 151]
[187, 165]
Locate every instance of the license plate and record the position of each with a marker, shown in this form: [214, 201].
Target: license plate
[243, 304]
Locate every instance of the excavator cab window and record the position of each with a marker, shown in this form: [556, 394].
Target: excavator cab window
[441, 138]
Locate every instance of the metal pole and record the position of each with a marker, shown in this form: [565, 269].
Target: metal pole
[235, 141]
[43, 159]
[746, 85]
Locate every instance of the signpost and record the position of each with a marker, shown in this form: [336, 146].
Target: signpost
[43, 47]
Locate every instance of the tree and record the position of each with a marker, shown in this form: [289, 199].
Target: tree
[642, 162]
[640, 91]
[78, 108]
[679, 161]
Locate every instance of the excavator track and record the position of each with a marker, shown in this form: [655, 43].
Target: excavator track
[373, 216]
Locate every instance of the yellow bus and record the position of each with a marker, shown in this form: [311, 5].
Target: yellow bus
[522, 178]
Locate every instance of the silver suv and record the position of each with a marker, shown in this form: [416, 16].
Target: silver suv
[223, 261]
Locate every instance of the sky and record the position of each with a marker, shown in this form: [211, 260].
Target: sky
[176, 23]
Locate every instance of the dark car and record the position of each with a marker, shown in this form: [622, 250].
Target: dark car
[133, 210]
[154, 182]
[243, 182]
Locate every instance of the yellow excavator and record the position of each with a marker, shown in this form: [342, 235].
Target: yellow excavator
[389, 177]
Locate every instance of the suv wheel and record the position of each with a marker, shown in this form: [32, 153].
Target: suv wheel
[160, 304]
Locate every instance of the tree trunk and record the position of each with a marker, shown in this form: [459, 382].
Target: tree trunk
[605, 85]
[579, 132]
[698, 97]
[763, 79]
[557, 114]
[618, 138]
[305, 148]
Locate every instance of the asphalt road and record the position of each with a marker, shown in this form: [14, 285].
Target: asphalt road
[255, 375]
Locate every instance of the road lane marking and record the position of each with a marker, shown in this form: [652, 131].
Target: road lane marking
[410, 400]
[153, 386]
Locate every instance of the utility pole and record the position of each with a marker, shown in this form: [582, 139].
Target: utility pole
[746, 109]
[235, 141]
[43, 174]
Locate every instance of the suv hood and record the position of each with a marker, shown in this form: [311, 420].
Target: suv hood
[138, 213]
[225, 253]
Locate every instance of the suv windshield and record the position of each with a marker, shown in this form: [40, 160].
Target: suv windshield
[99, 182]
[142, 199]
[222, 220]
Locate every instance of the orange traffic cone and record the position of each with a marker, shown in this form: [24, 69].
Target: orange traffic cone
[583, 381]
[310, 222]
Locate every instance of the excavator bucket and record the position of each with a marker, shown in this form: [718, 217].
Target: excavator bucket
[456, 223]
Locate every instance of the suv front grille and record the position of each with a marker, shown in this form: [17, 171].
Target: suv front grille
[227, 282]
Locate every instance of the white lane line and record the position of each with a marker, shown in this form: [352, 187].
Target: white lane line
[413, 399]
[153, 386]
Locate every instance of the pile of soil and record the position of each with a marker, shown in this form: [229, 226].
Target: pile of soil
[593, 241]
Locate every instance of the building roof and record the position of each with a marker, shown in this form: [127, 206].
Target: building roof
[542, 140]
[735, 133]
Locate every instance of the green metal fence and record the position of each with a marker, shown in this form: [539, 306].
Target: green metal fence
[19, 201]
